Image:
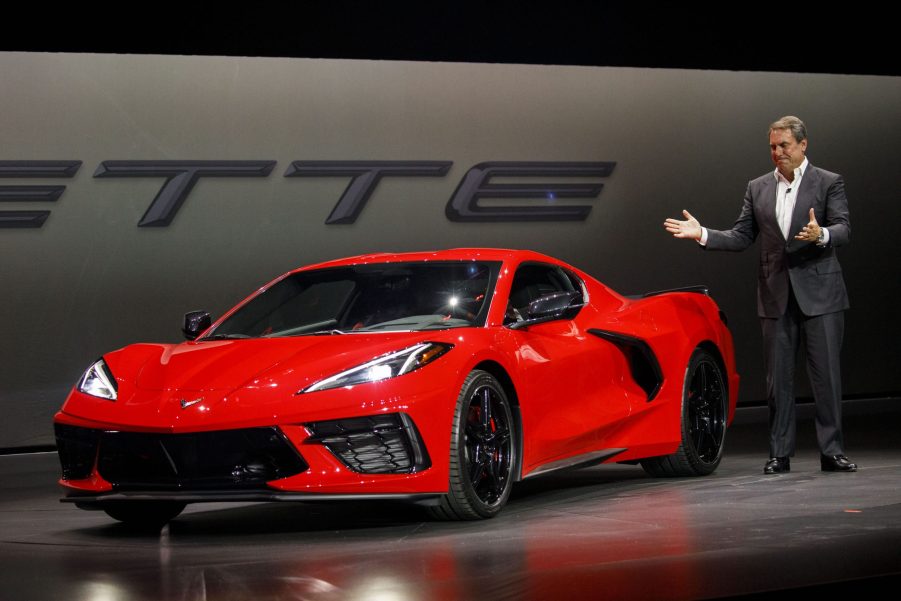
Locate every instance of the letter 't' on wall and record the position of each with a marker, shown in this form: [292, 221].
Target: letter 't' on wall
[364, 177]
[180, 179]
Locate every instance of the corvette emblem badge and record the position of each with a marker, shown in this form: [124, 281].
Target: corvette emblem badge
[185, 403]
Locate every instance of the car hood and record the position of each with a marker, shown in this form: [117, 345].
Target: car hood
[225, 365]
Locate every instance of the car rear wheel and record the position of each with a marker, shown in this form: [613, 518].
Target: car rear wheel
[482, 451]
[144, 514]
[703, 422]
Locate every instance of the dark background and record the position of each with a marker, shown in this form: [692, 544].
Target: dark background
[789, 37]
[90, 281]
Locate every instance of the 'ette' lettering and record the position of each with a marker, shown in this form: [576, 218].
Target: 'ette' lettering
[463, 205]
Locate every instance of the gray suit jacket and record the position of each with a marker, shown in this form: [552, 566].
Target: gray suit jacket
[813, 271]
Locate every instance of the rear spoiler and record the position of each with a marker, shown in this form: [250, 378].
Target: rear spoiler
[700, 289]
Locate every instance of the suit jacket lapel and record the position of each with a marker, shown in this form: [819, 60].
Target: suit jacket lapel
[768, 204]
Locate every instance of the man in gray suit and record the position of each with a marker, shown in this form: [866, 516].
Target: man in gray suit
[800, 288]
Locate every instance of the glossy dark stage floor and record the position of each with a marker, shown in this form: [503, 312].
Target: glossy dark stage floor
[605, 532]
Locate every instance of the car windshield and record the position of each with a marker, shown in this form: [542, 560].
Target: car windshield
[368, 298]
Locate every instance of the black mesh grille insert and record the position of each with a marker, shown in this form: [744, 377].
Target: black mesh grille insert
[197, 461]
[77, 449]
[376, 444]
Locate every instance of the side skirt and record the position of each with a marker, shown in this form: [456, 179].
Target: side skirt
[577, 462]
[87, 501]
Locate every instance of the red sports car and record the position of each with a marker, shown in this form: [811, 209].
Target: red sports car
[436, 377]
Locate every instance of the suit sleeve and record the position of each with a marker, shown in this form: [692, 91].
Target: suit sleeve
[743, 232]
[837, 215]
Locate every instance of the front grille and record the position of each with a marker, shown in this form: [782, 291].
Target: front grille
[77, 449]
[242, 459]
[376, 444]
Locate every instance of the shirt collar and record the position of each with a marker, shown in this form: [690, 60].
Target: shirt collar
[799, 173]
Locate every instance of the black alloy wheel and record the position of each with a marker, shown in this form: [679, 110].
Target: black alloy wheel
[707, 412]
[703, 427]
[482, 452]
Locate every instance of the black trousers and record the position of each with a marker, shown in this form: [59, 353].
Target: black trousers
[822, 336]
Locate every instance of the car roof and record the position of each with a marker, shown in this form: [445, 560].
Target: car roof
[454, 254]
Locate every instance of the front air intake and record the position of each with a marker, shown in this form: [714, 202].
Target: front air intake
[377, 444]
[229, 459]
[77, 449]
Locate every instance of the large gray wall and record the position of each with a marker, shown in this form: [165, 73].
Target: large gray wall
[90, 280]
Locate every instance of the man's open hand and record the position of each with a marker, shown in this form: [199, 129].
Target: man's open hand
[810, 232]
[690, 228]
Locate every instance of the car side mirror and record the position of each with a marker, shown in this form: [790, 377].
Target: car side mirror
[551, 305]
[195, 323]
[557, 305]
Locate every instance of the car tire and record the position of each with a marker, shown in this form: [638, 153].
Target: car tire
[144, 514]
[482, 452]
[703, 423]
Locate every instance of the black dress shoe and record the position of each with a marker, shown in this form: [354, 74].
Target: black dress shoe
[777, 465]
[836, 463]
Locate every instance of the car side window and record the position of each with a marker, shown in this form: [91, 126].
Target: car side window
[534, 280]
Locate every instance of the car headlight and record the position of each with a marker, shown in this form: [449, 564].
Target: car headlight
[386, 366]
[98, 381]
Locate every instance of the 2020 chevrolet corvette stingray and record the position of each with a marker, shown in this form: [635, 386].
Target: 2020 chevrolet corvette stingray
[436, 377]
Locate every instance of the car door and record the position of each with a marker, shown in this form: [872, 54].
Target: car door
[570, 399]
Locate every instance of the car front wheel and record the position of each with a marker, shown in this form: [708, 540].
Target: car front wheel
[482, 451]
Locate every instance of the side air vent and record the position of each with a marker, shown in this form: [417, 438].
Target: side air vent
[642, 362]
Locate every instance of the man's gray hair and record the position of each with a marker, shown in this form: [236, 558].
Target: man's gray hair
[798, 130]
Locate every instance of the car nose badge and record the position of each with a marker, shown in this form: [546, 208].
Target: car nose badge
[185, 403]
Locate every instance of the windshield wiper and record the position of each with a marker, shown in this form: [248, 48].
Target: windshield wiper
[445, 326]
[293, 332]
[225, 337]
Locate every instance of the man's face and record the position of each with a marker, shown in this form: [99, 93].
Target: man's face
[787, 153]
